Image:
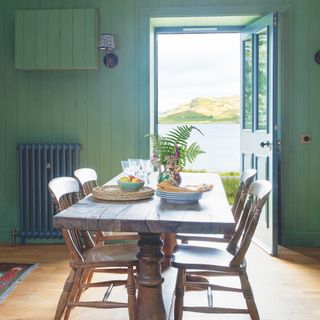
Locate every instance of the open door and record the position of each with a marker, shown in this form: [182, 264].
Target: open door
[259, 127]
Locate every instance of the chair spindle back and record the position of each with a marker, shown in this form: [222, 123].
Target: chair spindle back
[87, 179]
[246, 180]
[258, 195]
[65, 192]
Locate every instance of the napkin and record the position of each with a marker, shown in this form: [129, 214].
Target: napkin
[169, 187]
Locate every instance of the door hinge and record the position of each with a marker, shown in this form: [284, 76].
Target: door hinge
[275, 20]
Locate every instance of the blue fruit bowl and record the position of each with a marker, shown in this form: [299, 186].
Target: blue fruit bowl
[130, 186]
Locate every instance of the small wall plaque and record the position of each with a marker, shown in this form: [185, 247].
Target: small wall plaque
[305, 138]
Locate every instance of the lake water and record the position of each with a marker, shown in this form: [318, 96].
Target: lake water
[221, 142]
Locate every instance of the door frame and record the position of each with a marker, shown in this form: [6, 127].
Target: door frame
[180, 30]
[276, 170]
[145, 57]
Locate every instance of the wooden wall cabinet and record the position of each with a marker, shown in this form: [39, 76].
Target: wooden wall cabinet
[56, 39]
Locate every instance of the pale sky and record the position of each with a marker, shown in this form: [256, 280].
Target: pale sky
[197, 65]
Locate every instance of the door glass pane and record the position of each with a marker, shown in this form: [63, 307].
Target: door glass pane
[262, 79]
[247, 110]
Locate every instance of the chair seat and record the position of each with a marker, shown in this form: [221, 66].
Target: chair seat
[203, 237]
[112, 255]
[202, 258]
[111, 235]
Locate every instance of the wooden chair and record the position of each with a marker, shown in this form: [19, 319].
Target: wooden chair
[246, 180]
[210, 261]
[87, 179]
[86, 257]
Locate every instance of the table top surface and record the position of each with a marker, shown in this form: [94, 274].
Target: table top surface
[211, 214]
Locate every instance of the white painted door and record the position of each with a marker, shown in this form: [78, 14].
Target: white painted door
[259, 125]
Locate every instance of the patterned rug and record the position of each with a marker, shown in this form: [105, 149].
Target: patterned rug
[10, 275]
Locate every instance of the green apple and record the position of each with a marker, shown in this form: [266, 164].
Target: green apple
[124, 179]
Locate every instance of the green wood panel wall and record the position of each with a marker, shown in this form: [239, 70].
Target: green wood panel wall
[107, 110]
[56, 39]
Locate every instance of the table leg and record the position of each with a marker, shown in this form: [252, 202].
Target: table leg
[150, 304]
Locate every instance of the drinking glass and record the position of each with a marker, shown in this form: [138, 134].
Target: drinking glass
[146, 169]
[125, 167]
[134, 165]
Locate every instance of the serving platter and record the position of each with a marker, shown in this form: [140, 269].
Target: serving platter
[181, 197]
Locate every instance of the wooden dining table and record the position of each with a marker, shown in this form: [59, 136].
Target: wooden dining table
[152, 218]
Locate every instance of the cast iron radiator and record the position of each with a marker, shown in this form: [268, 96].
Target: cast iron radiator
[38, 164]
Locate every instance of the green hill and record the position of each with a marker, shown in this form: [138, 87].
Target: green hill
[204, 110]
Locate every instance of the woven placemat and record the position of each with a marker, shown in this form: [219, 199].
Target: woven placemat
[114, 193]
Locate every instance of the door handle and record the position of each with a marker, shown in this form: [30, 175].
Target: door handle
[265, 144]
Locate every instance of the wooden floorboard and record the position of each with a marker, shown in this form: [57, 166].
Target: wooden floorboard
[286, 287]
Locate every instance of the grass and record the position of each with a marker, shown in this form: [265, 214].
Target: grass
[231, 184]
[194, 170]
[229, 174]
[230, 181]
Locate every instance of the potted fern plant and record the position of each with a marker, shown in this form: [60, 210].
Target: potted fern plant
[171, 152]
